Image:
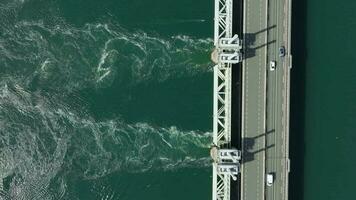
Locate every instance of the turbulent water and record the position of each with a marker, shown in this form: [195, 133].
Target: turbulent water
[104, 100]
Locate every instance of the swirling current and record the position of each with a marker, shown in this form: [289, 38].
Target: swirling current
[96, 103]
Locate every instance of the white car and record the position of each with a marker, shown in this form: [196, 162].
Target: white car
[272, 65]
[269, 179]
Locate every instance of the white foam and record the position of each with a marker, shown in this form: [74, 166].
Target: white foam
[91, 55]
[139, 146]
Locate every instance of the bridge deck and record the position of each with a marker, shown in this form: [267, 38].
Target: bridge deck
[265, 117]
[251, 102]
[254, 100]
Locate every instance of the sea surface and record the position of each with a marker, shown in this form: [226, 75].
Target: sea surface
[105, 100]
[112, 100]
[323, 96]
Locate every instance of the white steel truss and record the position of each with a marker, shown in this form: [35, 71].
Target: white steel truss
[222, 97]
[221, 188]
[229, 169]
[230, 57]
[228, 49]
[222, 105]
[229, 155]
[223, 20]
[230, 43]
[222, 126]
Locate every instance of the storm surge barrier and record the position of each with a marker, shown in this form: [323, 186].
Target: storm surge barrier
[226, 165]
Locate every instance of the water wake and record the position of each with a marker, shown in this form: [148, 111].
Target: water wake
[43, 140]
[67, 58]
[46, 142]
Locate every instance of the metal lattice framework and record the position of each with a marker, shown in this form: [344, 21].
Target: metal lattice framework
[221, 185]
[222, 96]
[223, 20]
[222, 104]
[223, 42]
[222, 75]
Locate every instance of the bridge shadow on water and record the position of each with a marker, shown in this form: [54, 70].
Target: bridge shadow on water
[297, 109]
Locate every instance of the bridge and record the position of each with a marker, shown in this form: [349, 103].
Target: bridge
[251, 99]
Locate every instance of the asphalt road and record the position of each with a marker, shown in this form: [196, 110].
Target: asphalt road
[277, 115]
[265, 107]
[254, 105]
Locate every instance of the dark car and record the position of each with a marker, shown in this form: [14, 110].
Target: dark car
[282, 51]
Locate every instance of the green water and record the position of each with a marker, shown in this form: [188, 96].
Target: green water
[105, 99]
[112, 99]
[324, 123]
